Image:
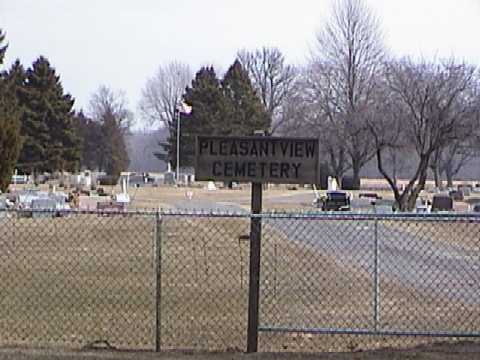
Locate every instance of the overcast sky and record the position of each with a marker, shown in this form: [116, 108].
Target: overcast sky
[120, 43]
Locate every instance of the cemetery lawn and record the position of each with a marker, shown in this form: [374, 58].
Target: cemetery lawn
[83, 279]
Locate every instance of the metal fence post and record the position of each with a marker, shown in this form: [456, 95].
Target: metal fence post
[376, 300]
[158, 278]
[254, 281]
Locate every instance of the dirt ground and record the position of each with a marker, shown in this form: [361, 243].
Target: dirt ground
[460, 351]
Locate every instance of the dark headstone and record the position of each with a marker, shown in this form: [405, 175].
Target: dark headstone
[442, 203]
[465, 189]
[324, 174]
[349, 184]
[456, 195]
[169, 178]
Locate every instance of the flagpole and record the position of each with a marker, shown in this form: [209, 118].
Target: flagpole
[178, 145]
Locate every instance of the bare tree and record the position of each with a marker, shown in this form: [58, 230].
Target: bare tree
[109, 109]
[449, 160]
[424, 110]
[325, 116]
[163, 93]
[106, 100]
[273, 79]
[349, 53]
[295, 116]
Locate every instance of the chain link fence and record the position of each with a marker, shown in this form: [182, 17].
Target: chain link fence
[176, 281]
[77, 280]
[350, 282]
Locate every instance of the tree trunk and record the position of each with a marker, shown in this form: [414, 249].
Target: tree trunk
[407, 200]
[356, 174]
[422, 178]
[337, 165]
[339, 178]
[391, 182]
[394, 166]
[449, 175]
[402, 202]
[436, 176]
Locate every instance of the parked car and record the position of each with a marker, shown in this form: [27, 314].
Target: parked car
[336, 201]
[370, 195]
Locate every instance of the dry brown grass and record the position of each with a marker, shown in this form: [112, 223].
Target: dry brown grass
[76, 280]
[72, 281]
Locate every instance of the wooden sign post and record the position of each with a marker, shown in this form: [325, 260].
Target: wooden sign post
[256, 159]
[254, 278]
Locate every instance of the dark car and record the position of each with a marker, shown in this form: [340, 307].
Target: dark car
[370, 195]
[336, 201]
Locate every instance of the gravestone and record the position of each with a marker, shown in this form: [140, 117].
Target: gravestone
[442, 203]
[169, 178]
[44, 204]
[456, 195]
[465, 189]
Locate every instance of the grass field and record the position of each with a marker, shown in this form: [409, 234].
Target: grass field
[76, 280]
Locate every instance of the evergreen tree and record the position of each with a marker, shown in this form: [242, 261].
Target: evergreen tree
[115, 155]
[207, 117]
[10, 140]
[229, 107]
[3, 48]
[90, 134]
[244, 111]
[47, 122]
[16, 76]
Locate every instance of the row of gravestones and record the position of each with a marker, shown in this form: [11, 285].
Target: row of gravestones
[347, 182]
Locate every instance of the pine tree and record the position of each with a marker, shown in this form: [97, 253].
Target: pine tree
[245, 112]
[10, 140]
[16, 77]
[89, 132]
[47, 122]
[229, 107]
[114, 147]
[207, 117]
[3, 48]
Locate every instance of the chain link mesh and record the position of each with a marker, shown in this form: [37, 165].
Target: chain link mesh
[180, 281]
[204, 283]
[77, 279]
[343, 283]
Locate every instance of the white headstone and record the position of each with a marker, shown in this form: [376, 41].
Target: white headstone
[122, 198]
[332, 184]
[87, 180]
[211, 186]
[124, 186]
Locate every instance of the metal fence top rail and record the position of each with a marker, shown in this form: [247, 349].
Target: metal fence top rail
[300, 215]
